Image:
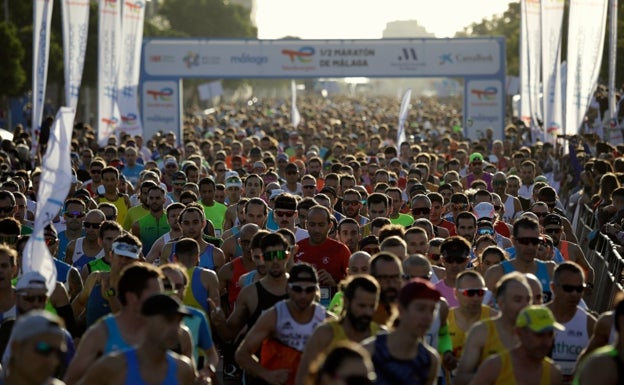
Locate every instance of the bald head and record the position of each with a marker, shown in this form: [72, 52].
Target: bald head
[359, 263]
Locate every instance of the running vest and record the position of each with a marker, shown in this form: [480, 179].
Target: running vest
[133, 370]
[569, 343]
[196, 294]
[233, 287]
[206, 259]
[292, 333]
[62, 272]
[97, 306]
[340, 335]
[266, 300]
[79, 258]
[114, 341]
[392, 371]
[507, 377]
[151, 229]
[510, 209]
[120, 203]
[493, 344]
[458, 335]
[541, 274]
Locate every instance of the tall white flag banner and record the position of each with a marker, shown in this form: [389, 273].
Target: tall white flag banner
[75, 33]
[42, 17]
[294, 114]
[552, 17]
[108, 67]
[55, 181]
[129, 66]
[530, 61]
[585, 46]
[403, 112]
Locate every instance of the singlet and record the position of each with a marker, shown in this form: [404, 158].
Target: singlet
[133, 371]
[196, 294]
[570, 343]
[206, 259]
[340, 335]
[486, 177]
[97, 306]
[541, 274]
[510, 209]
[493, 344]
[610, 351]
[507, 377]
[79, 259]
[249, 278]
[392, 371]
[458, 335]
[266, 300]
[98, 265]
[62, 272]
[292, 333]
[215, 214]
[114, 340]
[151, 229]
[120, 203]
[200, 331]
[238, 269]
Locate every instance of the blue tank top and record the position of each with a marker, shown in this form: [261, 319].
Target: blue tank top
[541, 274]
[97, 306]
[133, 371]
[392, 371]
[115, 341]
[206, 259]
[62, 270]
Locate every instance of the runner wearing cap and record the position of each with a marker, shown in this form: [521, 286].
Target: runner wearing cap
[37, 347]
[476, 172]
[283, 331]
[151, 361]
[528, 362]
[401, 356]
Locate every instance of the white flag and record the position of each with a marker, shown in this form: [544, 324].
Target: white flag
[552, 17]
[108, 65]
[42, 17]
[403, 112]
[585, 46]
[129, 67]
[75, 33]
[294, 114]
[55, 181]
[530, 61]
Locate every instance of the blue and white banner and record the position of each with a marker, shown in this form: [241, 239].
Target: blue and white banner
[108, 68]
[403, 113]
[295, 117]
[42, 17]
[55, 181]
[585, 46]
[530, 61]
[129, 66]
[552, 17]
[75, 33]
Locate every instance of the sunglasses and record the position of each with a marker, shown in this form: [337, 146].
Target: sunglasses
[460, 206]
[308, 186]
[528, 241]
[45, 349]
[91, 225]
[300, 289]
[551, 205]
[34, 298]
[74, 214]
[350, 203]
[473, 292]
[421, 210]
[540, 215]
[552, 231]
[279, 255]
[572, 288]
[497, 208]
[7, 209]
[499, 182]
[371, 250]
[455, 259]
[282, 213]
[477, 163]
[292, 172]
[96, 171]
[434, 257]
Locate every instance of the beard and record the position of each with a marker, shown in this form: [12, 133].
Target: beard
[360, 324]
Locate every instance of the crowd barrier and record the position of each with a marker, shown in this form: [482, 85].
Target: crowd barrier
[605, 257]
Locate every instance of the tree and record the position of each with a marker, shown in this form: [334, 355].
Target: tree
[12, 74]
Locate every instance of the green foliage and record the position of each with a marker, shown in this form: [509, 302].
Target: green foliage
[208, 18]
[12, 75]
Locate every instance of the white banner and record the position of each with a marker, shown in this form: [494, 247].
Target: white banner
[42, 16]
[585, 46]
[108, 67]
[162, 101]
[552, 17]
[403, 113]
[210, 90]
[295, 117]
[530, 59]
[56, 177]
[75, 33]
[129, 66]
[484, 108]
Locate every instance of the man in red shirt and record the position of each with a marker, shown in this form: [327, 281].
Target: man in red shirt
[329, 257]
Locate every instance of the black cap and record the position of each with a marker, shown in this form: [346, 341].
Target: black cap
[455, 246]
[553, 219]
[179, 175]
[162, 304]
[303, 272]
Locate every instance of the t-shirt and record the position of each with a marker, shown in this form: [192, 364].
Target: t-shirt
[331, 255]
[216, 214]
[448, 293]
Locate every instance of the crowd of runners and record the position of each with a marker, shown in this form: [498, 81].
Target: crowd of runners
[250, 251]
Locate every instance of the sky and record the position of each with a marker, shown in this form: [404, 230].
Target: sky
[366, 19]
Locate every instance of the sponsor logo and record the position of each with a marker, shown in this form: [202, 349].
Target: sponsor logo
[135, 6]
[407, 60]
[489, 93]
[446, 58]
[450, 58]
[162, 95]
[161, 59]
[191, 59]
[110, 3]
[244, 58]
[110, 122]
[129, 120]
[302, 55]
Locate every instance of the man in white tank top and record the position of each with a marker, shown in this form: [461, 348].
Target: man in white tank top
[567, 286]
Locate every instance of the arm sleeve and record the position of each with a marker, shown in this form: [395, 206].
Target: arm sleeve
[444, 340]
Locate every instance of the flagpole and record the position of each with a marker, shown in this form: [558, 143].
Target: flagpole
[612, 59]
